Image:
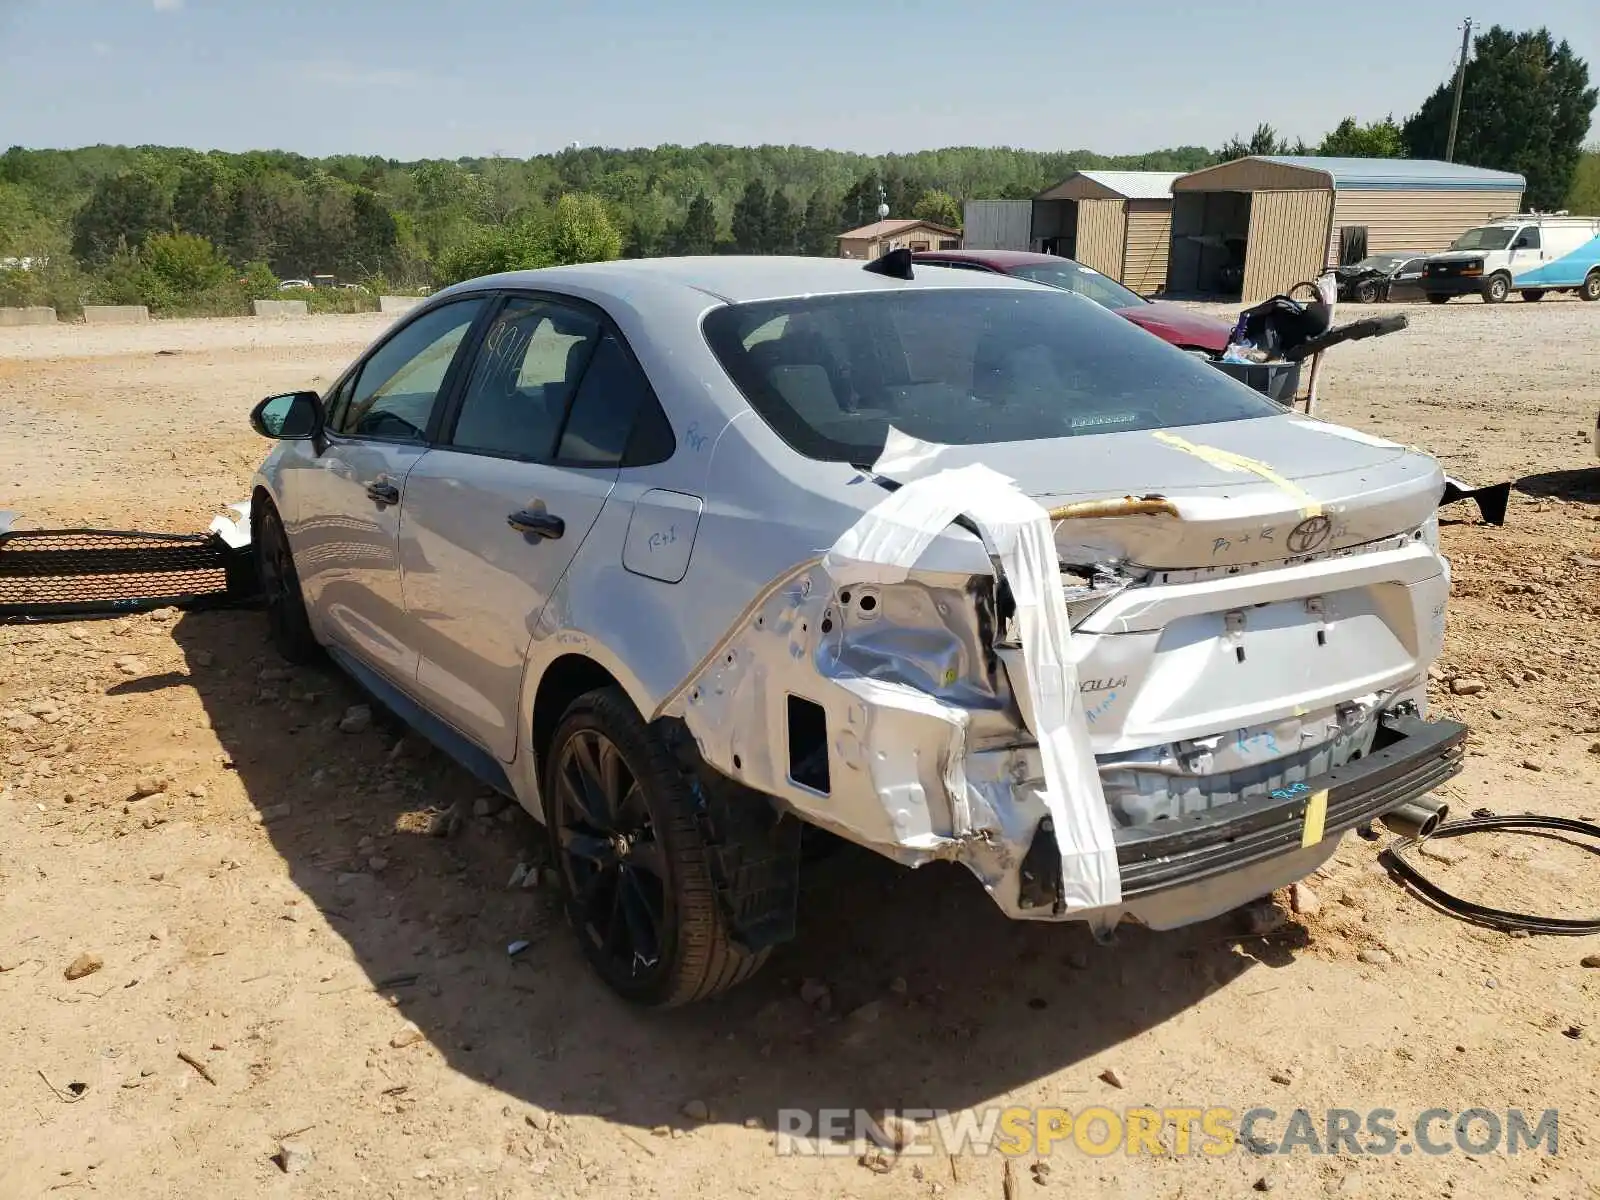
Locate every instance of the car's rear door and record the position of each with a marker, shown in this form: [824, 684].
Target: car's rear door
[346, 517]
[494, 516]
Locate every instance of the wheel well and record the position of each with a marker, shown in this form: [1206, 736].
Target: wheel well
[563, 681]
[260, 502]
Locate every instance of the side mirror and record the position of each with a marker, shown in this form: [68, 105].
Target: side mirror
[292, 417]
[1520, 244]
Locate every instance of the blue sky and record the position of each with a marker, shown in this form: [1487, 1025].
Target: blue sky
[409, 79]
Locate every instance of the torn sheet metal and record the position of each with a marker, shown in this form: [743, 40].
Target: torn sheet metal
[886, 542]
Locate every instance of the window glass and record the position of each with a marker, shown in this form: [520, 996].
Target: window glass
[532, 359]
[1485, 237]
[1086, 281]
[395, 389]
[1529, 238]
[610, 398]
[962, 366]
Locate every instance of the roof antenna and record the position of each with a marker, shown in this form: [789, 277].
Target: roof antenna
[896, 264]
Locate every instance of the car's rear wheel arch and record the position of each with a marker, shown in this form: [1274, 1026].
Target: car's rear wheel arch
[563, 681]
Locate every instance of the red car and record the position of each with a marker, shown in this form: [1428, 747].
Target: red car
[1169, 322]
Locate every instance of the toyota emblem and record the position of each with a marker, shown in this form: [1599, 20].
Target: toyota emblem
[1309, 535]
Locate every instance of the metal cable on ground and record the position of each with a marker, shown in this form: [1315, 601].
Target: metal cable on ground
[1483, 821]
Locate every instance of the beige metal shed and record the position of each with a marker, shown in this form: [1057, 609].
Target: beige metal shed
[1256, 226]
[1117, 222]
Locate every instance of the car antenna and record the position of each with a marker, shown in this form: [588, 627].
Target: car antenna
[896, 264]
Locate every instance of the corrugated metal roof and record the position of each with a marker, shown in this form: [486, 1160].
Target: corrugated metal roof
[1424, 174]
[883, 229]
[1136, 185]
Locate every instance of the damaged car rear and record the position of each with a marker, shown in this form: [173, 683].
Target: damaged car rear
[688, 554]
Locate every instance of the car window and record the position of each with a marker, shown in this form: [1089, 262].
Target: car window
[1484, 237]
[1086, 281]
[611, 398]
[1529, 238]
[967, 366]
[395, 389]
[524, 377]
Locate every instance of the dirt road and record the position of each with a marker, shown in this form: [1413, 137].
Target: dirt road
[284, 955]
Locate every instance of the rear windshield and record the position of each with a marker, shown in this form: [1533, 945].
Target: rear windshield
[1075, 277]
[964, 367]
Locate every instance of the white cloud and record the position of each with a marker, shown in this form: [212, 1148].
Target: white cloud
[338, 72]
[167, 5]
[102, 49]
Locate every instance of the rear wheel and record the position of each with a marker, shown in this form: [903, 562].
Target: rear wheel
[1496, 289]
[287, 621]
[1436, 298]
[632, 861]
[1591, 286]
[1533, 295]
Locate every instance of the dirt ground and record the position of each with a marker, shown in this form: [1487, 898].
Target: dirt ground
[287, 956]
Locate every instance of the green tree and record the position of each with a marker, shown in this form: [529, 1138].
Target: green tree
[783, 224]
[1585, 194]
[698, 233]
[580, 230]
[939, 207]
[125, 208]
[1525, 107]
[184, 264]
[202, 202]
[490, 249]
[818, 230]
[1381, 139]
[751, 234]
[859, 205]
[1265, 140]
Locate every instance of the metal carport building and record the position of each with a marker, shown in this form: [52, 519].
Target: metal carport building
[1286, 218]
[1117, 222]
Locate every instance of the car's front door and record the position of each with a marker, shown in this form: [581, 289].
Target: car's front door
[494, 516]
[348, 515]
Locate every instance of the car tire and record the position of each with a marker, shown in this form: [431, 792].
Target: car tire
[632, 859]
[1437, 298]
[1591, 286]
[288, 623]
[1495, 289]
[1533, 295]
[1366, 292]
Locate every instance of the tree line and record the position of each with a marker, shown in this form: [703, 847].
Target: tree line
[186, 230]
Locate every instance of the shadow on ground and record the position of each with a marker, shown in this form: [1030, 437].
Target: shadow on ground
[1582, 485]
[965, 1006]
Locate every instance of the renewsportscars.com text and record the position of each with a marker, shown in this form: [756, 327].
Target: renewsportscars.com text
[1099, 1131]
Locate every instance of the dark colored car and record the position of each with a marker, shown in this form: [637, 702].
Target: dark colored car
[1396, 275]
[1170, 322]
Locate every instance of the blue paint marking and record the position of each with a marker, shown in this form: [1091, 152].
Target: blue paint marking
[1255, 741]
[697, 440]
[1100, 710]
[1290, 792]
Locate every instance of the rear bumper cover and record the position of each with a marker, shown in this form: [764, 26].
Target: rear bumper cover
[1198, 852]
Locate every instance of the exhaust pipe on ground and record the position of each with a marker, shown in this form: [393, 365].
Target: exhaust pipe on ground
[1417, 818]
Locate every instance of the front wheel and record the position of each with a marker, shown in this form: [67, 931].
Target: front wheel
[1533, 295]
[1591, 286]
[1437, 298]
[287, 621]
[632, 861]
[1496, 289]
[1367, 292]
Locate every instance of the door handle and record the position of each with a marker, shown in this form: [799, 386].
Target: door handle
[536, 524]
[382, 492]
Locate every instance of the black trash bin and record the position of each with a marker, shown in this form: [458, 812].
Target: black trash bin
[1278, 381]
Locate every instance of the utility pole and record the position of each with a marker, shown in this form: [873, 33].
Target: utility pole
[1461, 79]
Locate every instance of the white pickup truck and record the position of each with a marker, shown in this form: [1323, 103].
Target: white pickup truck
[1532, 254]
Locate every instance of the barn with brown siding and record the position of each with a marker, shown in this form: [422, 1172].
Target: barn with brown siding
[1256, 226]
[1114, 221]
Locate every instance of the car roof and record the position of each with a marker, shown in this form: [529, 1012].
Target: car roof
[734, 279]
[1003, 260]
